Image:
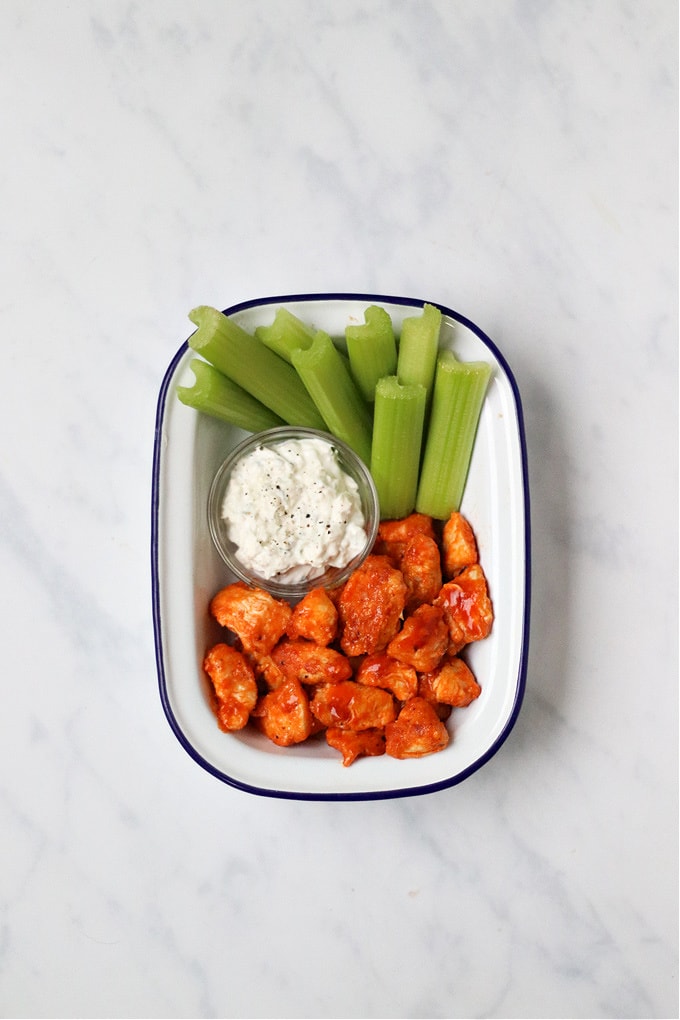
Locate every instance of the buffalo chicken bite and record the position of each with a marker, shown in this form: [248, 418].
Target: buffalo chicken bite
[459, 546]
[284, 715]
[381, 670]
[422, 640]
[451, 683]
[234, 686]
[256, 617]
[311, 664]
[417, 731]
[467, 607]
[370, 606]
[353, 706]
[421, 568]
[314, 618]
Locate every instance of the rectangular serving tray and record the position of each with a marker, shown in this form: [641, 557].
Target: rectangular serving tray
[187, 572]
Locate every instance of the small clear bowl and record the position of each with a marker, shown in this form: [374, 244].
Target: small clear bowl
[348, 461]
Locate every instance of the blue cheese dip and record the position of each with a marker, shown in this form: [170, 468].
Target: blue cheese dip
[293, 512]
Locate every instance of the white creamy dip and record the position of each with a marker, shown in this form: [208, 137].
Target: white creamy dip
[293, 512]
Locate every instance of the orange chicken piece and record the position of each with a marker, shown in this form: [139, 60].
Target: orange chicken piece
[422, 571]
[256, 617]
[381, 670]
[467, 607]
[353, 745]
[314, 618]
[459, 546]
[284, 715]
[452, 683]
[353, 706]
[394, 536]
[370, 606]
[234, 686]
[311, 664]
[423, 639]
[417, 731]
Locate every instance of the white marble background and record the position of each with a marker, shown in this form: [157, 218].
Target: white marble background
[514, 160]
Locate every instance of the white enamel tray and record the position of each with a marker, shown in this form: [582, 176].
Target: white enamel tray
[187, 571]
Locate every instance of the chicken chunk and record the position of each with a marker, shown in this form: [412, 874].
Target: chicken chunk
[234, 686]
[381, 670]
[416, 732]
[467, 607]
[421, 568]
[353, 706]
[394, 536]
[422, 640]
[370, 606]
[256, 617]
[311, 664]
[459, 546]
[284, 715]
[353, 745]
[315, 618]
[452, 683]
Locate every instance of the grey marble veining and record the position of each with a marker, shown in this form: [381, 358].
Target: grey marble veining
[516, 161]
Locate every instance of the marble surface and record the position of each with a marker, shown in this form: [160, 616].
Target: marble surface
[516, 161]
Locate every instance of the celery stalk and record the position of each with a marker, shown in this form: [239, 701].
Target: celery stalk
[325, 373]
[285, 334]
[372, 350]
[251, 365]
[397, 435]
[458, 395]
[218, 396]
[418, 348]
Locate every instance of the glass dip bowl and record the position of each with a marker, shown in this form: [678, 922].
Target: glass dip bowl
[273, 527]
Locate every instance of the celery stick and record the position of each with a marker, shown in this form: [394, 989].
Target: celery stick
[285, 334]
[418, 348]
[372, 350]
[459, 390]
[397, 435]
[325, 373]
[218, 396]
[247, 362]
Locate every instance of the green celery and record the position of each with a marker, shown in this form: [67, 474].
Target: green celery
[254, 367]
[418, 348]
[459, 391]
[372, 350]
[218, 396]
[285, 334]
[325, 373]
[397, 436]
